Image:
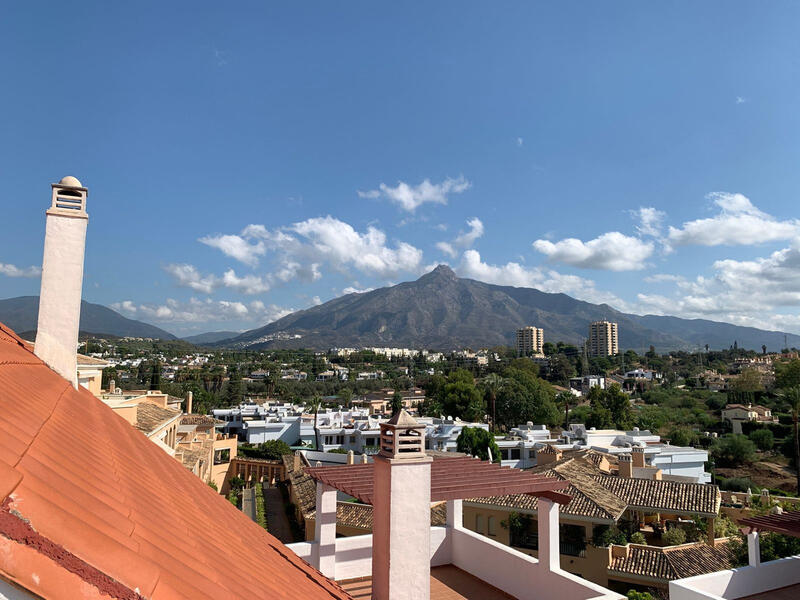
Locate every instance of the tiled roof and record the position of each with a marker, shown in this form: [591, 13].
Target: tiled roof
[92, 508]
[200, 420]
[303, 485]
[675, 562]
[588, 499]
[668, 496]
[150, 416]
[91, 360]
[596, 495]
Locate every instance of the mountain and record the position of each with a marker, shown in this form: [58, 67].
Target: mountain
[210, 337]
[22, 315]
[443, 312]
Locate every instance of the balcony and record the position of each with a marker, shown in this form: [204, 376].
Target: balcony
[459, 555]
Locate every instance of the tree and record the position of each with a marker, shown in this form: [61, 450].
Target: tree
[681, 437]
[155, 376]
[478, 442]
[792, 396]
[234, 393]
[346, 397]
[749, 381]
[561, 369]
[762, 438]
[525, 397]
[491, 385]
[565, 399]
[734, 449]
[610, 408]
[787, 375]
[314, 406]
[460, 397]
[269, 450]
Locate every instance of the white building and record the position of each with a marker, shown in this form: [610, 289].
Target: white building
[677, 463]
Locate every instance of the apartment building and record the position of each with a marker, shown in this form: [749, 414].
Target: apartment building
[530, 341]
[603, 339]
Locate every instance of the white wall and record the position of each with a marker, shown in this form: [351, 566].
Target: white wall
[736, 583]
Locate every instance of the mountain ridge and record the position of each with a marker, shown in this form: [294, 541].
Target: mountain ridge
[441, 311]
[22, 314]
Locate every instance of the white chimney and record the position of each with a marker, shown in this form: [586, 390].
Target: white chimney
[62, 279]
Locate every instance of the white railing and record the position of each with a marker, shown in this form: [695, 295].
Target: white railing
[498, 565]
[738, 583]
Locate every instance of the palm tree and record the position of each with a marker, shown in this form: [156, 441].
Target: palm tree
[314, 405]
[492, 384]
[792, 396]
[565, 399]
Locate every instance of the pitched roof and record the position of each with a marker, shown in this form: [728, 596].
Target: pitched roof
[200, 420]
[596, 495]
[588, 499]
[669, 496]
[303, 486]
[90, 506]
[674, 562]
[91, 360]
[150, 417]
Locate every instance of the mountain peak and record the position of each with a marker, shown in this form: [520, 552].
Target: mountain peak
[440, 273]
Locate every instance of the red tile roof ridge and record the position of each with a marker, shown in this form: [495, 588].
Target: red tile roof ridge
[19, 530]
[87, 482]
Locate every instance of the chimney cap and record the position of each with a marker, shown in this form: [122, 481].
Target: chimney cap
[70, 181]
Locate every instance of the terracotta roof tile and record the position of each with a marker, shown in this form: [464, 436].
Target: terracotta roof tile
[87, 482]
[675, 562]
[599, 496]
[150, 417]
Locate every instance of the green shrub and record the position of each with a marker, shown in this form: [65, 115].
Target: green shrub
[634, 595]
[763, 439]
[737, 484]
[603, 536]
[674, 537]
[638, 538]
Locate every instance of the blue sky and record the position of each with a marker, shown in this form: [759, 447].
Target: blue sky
[245, 160]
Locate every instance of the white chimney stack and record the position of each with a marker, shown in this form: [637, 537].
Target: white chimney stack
[62, 279]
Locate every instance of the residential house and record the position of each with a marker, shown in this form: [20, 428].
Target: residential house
[599, 499]
[736, 414]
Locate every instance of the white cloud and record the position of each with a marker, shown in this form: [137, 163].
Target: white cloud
[737, 223]
[464, 239]
[514, 274]
[520, 141]
[748, 292]
[355, 290]
[409, 197]
[249, 284]
[664, 278]
[236, 247]
[13, 271]
[741, 100]
[611, 251]
[201, 311]
[650, 220]
[188, 276]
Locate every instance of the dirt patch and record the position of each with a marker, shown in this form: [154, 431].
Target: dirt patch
[764, 474]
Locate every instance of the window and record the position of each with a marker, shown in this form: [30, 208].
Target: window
[515, 454]
[492, 526]
[478, 523]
